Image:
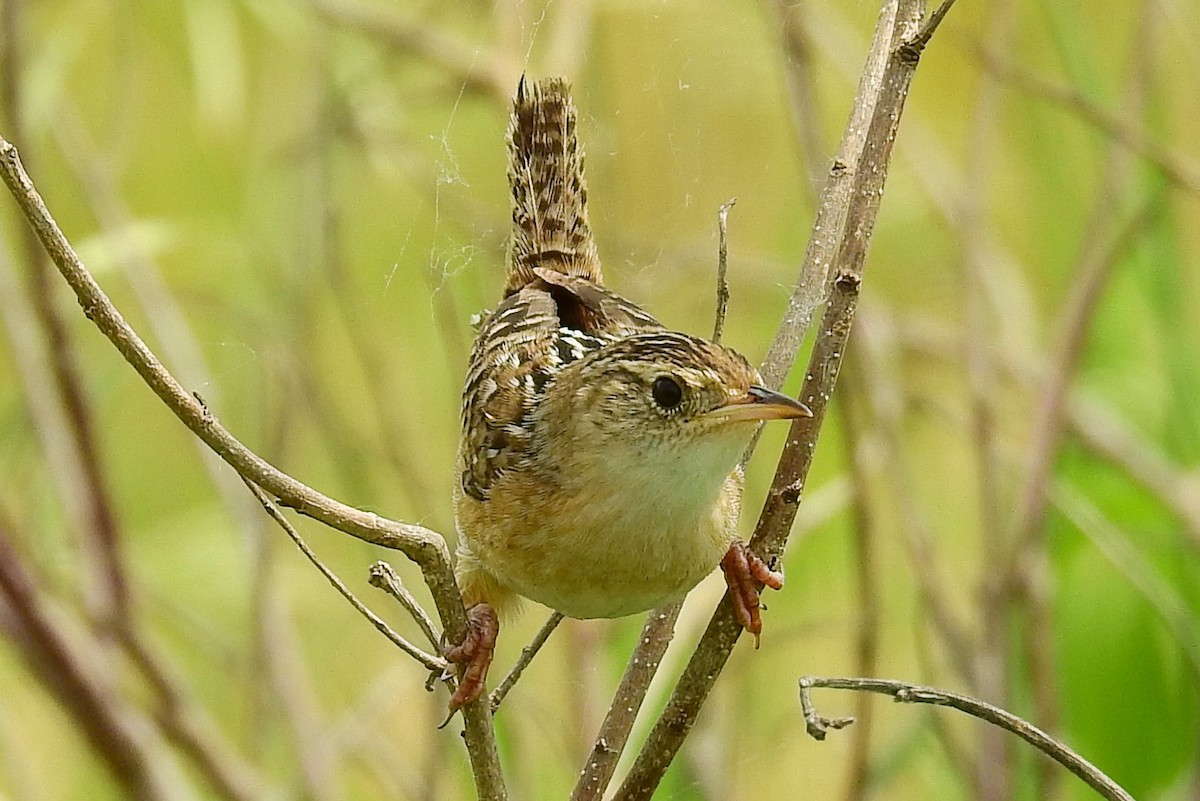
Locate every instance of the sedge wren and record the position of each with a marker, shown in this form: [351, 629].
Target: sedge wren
[599, 455]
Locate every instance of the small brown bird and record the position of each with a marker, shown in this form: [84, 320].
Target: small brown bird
[599, 452]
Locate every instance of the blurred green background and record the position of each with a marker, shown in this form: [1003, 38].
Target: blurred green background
[300, 205]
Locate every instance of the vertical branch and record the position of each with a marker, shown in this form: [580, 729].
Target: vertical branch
[783, 499]
[614, 732]
[812, 283]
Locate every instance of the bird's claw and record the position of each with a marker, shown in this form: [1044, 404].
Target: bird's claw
[474, 654]
[745, 572]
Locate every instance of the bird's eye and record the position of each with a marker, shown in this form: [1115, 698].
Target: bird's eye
[667, 392]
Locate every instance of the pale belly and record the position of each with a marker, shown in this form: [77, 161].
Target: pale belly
[613, 558]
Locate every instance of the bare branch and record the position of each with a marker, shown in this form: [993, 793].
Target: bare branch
[783, 499]
[812, 285]
[431, 662]
[917, 694]
[527, 655]
[614, 732]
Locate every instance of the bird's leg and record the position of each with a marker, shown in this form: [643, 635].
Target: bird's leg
[745, 573]
[474, 654]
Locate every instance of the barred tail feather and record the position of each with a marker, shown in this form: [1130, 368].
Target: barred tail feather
[545, 173]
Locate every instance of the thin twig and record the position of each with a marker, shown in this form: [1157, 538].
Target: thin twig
[527, 655]
[431, 662]
[917, 694]
[778, 513]
[918, 42]
[383, 577]
[722, 266]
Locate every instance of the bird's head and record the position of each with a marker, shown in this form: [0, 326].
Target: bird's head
[661, 404]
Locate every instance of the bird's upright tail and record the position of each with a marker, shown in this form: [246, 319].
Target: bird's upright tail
[549, 195]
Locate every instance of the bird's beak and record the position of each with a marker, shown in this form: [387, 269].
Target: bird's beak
[760, 403]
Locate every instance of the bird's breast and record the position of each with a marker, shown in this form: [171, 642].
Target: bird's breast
[600, 551]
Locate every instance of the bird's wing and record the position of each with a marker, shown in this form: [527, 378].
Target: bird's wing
[519, 349]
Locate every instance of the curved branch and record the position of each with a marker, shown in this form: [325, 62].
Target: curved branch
[916, 694]
[424, 546]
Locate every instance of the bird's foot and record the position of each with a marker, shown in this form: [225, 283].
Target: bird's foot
[474, 654]
[745, 573]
